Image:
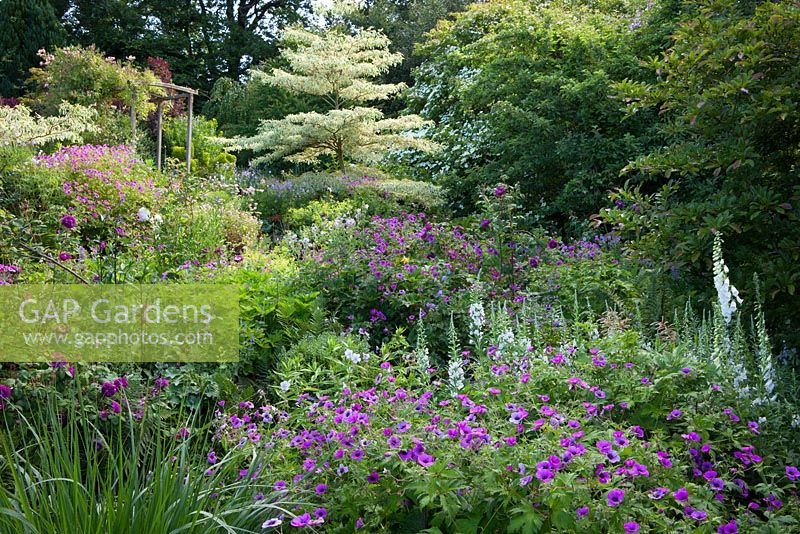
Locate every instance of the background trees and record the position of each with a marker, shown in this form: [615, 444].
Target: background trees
[521, 91]
[27, 26]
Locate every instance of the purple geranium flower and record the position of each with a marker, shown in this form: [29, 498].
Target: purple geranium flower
[69, 222]
[792, 473]
[108, 389]
[425, 460]
[631, 526]
[615, 497]
[301, 520]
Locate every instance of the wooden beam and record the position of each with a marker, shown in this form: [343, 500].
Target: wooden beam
[189, 135]
[168, 86]
[159, 114]
[133, 116]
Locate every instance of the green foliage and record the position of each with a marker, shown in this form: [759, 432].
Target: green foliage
[520, 93]
[87, 77]
[202, 40]
[391, 196]
[275, 312]
[729, 162]
[317, 211]
[320, 362]
[405, 24]
[208, 157]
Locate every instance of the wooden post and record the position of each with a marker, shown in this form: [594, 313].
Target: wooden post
[159, 114]
[133, 116]
[189, 136]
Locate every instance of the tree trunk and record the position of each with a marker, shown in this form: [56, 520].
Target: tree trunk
[340, 156]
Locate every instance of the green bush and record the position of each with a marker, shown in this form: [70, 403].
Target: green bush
[208, 157]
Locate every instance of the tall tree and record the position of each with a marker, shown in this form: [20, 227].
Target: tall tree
[340, 68]
[201, 39]
[405, 23]
[27, 26]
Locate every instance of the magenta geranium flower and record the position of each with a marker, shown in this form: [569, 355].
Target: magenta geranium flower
[301, 520]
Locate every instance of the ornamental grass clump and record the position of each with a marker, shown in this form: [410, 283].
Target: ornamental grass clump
[62, 470]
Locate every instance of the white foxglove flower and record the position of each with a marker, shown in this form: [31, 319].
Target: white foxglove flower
[729, 298]
[143, 215]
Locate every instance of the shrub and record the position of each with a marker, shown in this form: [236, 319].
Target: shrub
[208, 157]
[85, 76]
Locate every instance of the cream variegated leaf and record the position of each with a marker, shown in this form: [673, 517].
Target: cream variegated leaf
[340, 68]
[19, 126]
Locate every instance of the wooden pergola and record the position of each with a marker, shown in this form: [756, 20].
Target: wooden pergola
[181, 93]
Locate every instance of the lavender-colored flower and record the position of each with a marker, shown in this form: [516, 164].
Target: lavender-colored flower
[698, 515]
[321, 489]
[674, 414]
[272, 523]
[728, 528]
[631, 526]
[658, 493]
[681, 495]
[373, 478]
[582, 512]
